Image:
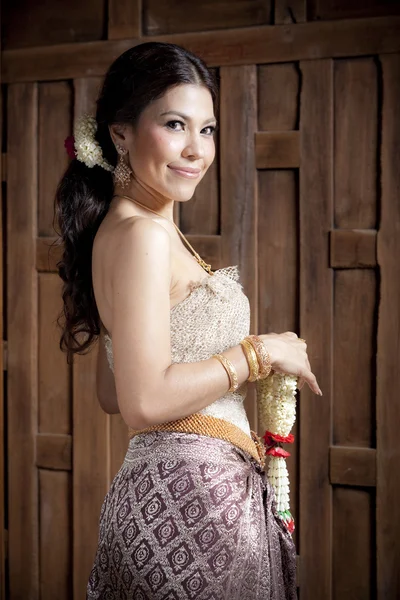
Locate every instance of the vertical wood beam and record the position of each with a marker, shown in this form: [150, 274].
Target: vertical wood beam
[22, 311]
[2, 399]
[238, 187]
[316, 289]
[388, 345]
[124, 19]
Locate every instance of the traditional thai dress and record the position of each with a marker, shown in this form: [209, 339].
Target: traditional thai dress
[188, 515]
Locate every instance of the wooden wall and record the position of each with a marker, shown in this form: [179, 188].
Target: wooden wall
[303, 196]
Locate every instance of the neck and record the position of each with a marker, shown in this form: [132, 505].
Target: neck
[147, 197]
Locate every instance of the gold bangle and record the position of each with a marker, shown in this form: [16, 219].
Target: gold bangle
[230, 369]
[263, 355]
[251, 359]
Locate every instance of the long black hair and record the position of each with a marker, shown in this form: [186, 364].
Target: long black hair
[136, 78]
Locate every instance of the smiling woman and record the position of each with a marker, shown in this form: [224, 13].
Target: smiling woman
[190, 514]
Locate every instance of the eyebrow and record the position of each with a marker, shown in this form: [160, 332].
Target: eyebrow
[175, 112]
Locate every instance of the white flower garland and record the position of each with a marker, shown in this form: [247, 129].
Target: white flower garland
[87, 148]
[277, 413]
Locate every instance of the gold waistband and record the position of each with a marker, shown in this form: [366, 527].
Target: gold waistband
[213, 427]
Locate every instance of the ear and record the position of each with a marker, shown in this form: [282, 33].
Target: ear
[118, 134]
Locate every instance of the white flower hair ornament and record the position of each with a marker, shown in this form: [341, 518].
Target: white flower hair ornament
[83, 145]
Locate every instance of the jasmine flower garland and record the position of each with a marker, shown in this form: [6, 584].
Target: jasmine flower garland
[87, 148]
[277, 413]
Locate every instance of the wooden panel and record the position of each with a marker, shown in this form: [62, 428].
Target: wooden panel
[316, 141]
[289, 11]
[352, 466]
[26, 24]
[356, 132]
[168, 17]
[278, 90]
[277, 150]
[352, 248]
[388, 350]
[55, 535]
[343, 9]
[54, 372]
[54, 126]
[22, 341]
[353, 539]
[244, 46]
[278, 296]
[3, 365]
[238, 188]
[124, 19]
[353, 354]
[54, 451]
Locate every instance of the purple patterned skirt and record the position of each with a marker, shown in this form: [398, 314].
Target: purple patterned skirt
[191, 517]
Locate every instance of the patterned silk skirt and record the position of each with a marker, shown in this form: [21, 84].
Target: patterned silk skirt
[189, 517]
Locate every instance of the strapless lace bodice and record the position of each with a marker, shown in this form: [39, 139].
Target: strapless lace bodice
[212, 318]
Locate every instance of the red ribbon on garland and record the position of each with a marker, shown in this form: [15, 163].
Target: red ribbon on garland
[273, 440]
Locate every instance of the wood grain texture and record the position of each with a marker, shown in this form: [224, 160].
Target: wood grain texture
[22, 319]
[55, 489]
[352, 248]
[277, 150]
[278, 97]
[388, 344]
[345, 9]
[352, 466]
[172, 17]
[356, 140]
[3, 365]
[238, 122]
[54, 451]
[353, 540]
[55, 111]
[354, 332]
[290, 11]
[55, 414]
[124, 19]
[316, 292]
[230, 47]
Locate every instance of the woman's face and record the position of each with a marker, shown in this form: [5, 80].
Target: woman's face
[172, 145]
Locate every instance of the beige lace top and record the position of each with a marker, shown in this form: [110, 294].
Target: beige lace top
[212, 318]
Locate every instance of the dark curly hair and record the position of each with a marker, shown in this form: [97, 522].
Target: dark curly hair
[136, 78]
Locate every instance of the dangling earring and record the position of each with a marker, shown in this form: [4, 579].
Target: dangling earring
[122, 173]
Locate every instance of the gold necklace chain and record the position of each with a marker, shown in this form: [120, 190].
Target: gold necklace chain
[196, 255]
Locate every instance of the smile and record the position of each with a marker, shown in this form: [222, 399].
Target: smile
[184, 173]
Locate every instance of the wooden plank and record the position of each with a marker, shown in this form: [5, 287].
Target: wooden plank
[167, 17]
[48, 252]
[278, 293]
[124, 19]
[388, 344]
[3, 365]
[22, 341]
[356, 143]
[344, 9]
[54, 451]
[55, 535]
[353, 542]
[278, 95]
[316, 292]
[54, 372]
[230, 47]
[238, 122]
[352, 248]
[277, 150]
[55, 99]
[352, 466]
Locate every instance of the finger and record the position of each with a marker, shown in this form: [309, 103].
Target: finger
[312, 382]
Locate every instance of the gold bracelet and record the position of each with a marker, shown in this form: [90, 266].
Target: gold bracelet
[230, 369]
[263, 355]
[251, 359]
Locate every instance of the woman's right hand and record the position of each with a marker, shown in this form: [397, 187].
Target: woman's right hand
[288, 355]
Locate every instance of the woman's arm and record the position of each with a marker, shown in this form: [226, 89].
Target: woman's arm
[105, 382]
[149, 388]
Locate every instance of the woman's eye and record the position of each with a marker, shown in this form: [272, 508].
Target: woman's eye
[211, 129]
[172, 125]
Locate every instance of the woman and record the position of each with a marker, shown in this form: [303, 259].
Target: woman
[190, 513]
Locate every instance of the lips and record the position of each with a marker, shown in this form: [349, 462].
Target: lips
[187, 172]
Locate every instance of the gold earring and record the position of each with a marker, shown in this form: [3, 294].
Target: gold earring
[122, 173]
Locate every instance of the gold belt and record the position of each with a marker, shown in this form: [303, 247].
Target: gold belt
[213, 427]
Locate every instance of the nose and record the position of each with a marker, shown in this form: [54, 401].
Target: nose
[194, 147]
